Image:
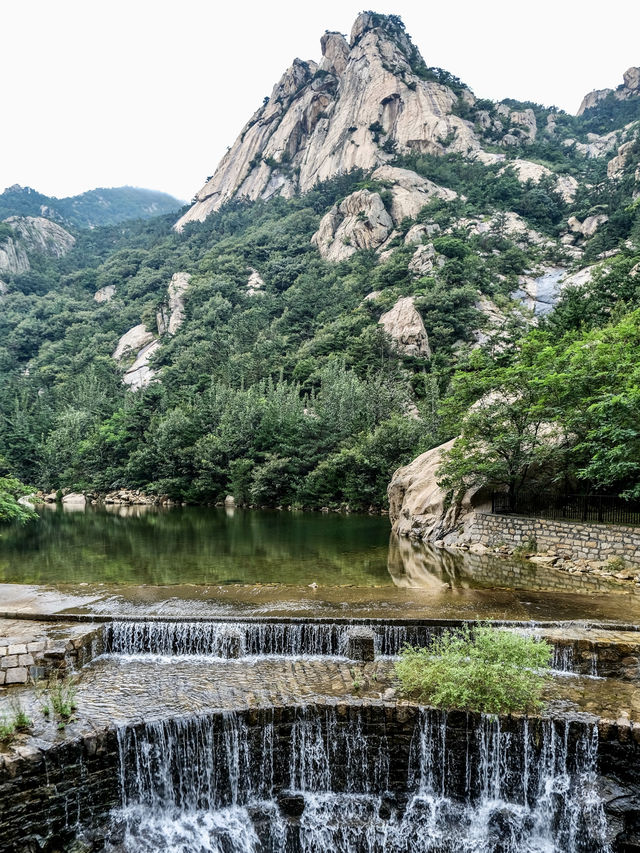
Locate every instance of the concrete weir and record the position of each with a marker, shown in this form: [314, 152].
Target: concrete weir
[288, 735]
[280, 773]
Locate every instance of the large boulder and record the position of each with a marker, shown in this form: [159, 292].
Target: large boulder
[419, 506]
[405, 326]
[409, 191]
[359, 222]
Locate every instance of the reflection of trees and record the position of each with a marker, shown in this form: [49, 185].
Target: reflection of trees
[156, 545]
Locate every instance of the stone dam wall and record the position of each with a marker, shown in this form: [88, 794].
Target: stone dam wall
[49, 797]
[570, 539]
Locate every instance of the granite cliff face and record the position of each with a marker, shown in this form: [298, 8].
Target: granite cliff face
[365, 101]
[31, 235]
[629, 88]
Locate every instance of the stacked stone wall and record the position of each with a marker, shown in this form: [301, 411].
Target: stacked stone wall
[572, 539]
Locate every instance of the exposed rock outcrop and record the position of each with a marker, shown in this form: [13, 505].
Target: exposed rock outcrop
[171, 315]
[362, 221]
[359, 222]
[32, 235]
[360, 105]
[589, 226]
[132, 341]
[630, 88]
[419, 507]
[105, 294]
[423, 260]
[539, 293]
[527, 170]
[405, 326]
[409, 191]
[617, 164]
[140, 374]
[255, 283]
[141, 344]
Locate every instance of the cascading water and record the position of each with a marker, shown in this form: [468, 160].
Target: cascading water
[316, 780]
[225, 640]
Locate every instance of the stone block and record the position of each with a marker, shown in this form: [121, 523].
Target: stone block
[38, 646]
[17, 675]
[2, 676]
[9, 661]
[25, 660]
[18, 649]
[360, 644]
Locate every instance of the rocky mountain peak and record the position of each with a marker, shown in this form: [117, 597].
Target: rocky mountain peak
[366, 101]
[335, 53]
[629, 88]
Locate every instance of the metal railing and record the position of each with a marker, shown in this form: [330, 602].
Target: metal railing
[603, 509]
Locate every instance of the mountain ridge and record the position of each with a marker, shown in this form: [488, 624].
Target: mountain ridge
[370, 99]
[99, 206]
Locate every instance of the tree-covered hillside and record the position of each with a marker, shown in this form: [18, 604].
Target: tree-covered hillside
[285, 370]
[89, 209]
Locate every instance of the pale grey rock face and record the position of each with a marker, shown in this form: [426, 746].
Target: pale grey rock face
[509, 224]
[590, 225]
[255, 283]
[405, 326]
[32, 235]
[13, 257]
[631, 79]
[410, 192]
[132, 341]
[335, 53]
[420, 232]
[540, 293]
[359, 222]
[105, 294]
[526, 120]
[526, 170]
[41, 235]
[140, 374]
[593, 98]
[616, 165]
[317, 126]
[423, 260]
[418, 506]
[630, 88]
[178, 286]
[75, 499]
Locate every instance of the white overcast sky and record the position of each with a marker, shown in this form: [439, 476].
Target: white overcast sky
[150, 93]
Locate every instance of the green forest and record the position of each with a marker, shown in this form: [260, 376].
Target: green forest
[295, 395]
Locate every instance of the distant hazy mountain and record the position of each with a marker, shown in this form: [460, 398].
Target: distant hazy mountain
[95, 207]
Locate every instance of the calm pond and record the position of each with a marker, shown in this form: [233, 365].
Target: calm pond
[196, 545]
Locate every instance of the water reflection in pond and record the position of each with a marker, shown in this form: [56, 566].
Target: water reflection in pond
[417, 565]
[196, 545]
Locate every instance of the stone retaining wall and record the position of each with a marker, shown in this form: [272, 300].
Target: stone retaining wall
[48, 796]
[40, 656]
[571, 539]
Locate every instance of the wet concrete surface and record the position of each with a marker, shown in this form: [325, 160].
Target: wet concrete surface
[114, 691]
[327, 602]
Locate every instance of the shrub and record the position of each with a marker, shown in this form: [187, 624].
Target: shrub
[481, 669]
